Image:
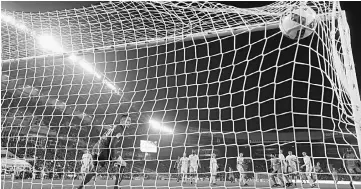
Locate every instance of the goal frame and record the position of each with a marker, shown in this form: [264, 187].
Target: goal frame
[345, 70]
[349, 80]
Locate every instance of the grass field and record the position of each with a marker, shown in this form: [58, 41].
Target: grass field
[147, 184]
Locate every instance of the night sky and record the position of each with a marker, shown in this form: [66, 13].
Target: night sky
[207, 85]
[351, 8]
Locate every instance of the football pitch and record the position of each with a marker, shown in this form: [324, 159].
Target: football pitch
[148, 184]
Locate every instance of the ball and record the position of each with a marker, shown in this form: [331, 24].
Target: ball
[299, 22]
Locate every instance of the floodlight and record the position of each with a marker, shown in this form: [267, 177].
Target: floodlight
[157, 125]
[47, 42]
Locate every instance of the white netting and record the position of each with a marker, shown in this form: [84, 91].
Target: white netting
[211, 77]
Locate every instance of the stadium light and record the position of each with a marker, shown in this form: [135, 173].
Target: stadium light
[49, 43]
[157, 125]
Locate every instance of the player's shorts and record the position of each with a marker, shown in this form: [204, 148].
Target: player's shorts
[309, 171]
[193, 169]
[291, 169]
[276, 170]
[240, 168]
[86, 168]
[184, 169]
[213, 172]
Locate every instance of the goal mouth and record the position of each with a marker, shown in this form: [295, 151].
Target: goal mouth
[219, 79]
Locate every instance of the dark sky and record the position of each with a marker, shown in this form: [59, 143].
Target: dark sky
[351, 8]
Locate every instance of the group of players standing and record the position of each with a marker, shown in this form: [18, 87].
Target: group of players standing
[107, 150]
[192, 163]
[281, 167]
[284, 168]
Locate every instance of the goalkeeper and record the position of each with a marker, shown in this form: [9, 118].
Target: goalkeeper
[108, 149]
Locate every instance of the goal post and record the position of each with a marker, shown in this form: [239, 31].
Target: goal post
[351, 79]
[218, 79]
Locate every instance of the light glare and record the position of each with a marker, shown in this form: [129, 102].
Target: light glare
[8, 18]
[49, 43]
[111, 86]
[157, 125]
[73, 58]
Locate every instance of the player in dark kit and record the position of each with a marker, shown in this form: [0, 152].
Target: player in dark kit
[108, 149]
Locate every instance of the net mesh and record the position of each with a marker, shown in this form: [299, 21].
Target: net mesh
[214, 78]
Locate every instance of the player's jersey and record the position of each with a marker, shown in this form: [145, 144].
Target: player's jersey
[307, 161]
[108, 147]
[350, 160]
[276, 164]
[87, 158]
[213, 164]
[291, 160]
[184, 161]
[317, 169]
[178, 164]
[240, 161]
[193, 160]
[282, 159]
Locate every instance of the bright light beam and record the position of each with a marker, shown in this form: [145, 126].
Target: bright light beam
[111, 86]
[47, 42]
[86, 66]
[157, 125]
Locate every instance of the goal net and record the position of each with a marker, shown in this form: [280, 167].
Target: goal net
[197, 76]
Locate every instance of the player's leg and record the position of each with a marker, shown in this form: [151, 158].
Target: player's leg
[89, 170]
[213, 177]
[351, 170]
[178, 174]
[184, 174]
[273, 178]
[286, 177]
[280, 178]
[87, 179]
[295, 173]
[309, 176]
[191, 174]
[195, 175]
[239, 169]
[119, 177]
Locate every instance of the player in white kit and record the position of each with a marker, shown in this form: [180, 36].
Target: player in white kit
[276, 171]
[284, 170]
[193, 168]
[309, 168]
[240, 169]
[213, 166]
[184, 167]
[87, 163]
[291, 161]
